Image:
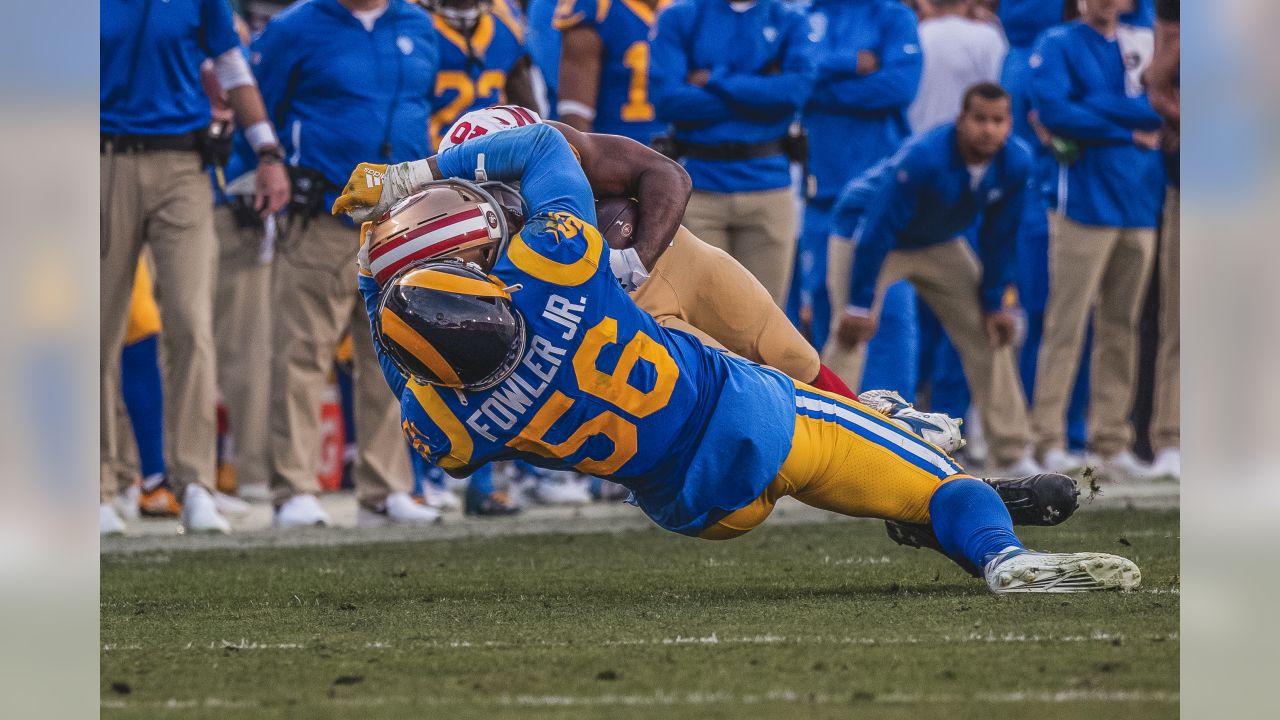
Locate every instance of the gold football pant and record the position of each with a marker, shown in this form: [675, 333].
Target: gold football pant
[701, 290]
[849, 459]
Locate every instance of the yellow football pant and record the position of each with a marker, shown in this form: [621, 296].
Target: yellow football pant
[144, 314]
[849, 459]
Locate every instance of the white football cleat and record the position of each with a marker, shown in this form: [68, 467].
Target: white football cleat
[109, 522]
[1057, 460]
[1168, 464]
[561, 489]
[1026, 571]
[398, 509]
[440, 498]
[938, 428]
[1124, 465]
[200, 511]
[301, 510]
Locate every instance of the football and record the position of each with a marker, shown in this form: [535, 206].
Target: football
[616, 220]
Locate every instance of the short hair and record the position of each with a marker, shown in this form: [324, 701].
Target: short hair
[984, 90]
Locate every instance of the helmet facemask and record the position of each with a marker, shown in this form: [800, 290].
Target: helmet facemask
[446, 323]
[461, 15]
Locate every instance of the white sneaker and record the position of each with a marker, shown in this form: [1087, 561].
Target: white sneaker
[938, 428]
[1168, 464]
[399, 508]
[562, 489]
[230, 504]
[200, 511]
[1124, 465]
[1057, 460]
[126, 503]
[302, 510]
[1028, 571]
[109, 522]
[1023, 467]
[440, 498]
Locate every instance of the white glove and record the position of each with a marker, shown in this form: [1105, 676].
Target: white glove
[362, 257]
[937, 428]
[626, 266]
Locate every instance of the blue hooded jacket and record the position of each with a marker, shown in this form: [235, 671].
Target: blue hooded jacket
[1078, 88]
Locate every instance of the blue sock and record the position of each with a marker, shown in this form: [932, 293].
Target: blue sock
[143, 392]
[971, 521]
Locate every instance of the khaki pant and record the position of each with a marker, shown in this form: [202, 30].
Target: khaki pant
[242, 330]
[947, 277]
[316, 301]
[1165, 418]
[700, 289]
[161, 200]
[758, 229]
[1108, 269]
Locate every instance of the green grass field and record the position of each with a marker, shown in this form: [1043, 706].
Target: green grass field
[818, 620]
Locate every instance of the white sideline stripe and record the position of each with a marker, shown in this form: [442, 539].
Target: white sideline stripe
[663, 697]
[712, 639]
[903, 441]
[435, 236]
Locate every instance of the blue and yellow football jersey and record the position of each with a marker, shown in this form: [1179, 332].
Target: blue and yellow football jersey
[473, 70]
[622, 105]
[693, 432]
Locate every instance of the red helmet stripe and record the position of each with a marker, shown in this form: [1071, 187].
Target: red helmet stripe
[418, 232]
[383, 273]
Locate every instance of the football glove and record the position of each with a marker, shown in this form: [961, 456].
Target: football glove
[373, 188]
[937, 428]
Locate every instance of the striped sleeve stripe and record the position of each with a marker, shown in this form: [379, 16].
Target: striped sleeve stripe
[878, 430]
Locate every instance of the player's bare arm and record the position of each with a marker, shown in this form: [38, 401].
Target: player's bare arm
[621, 167]
[580, 51]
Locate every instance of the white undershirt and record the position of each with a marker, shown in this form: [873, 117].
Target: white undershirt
[742, 5]
[977, 171]
[368, 17]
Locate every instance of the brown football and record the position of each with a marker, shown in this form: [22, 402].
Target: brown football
[616, 220]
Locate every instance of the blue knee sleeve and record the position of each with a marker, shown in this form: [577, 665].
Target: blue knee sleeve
[971, 521]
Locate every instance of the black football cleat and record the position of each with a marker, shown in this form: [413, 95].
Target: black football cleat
[1046, 499]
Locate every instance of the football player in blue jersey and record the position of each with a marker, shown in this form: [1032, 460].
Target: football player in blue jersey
[546, 358]
[689, 286]
[604, 79]
[483, 60]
